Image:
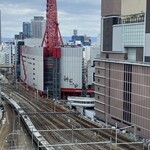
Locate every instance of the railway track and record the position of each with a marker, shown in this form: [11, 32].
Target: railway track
[49, 122]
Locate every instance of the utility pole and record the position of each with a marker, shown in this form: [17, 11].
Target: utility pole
[47, 92]
[116, 133]
[0, 94]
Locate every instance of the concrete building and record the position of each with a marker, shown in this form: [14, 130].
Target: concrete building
[122, 93]
[126, 28]
[27, 29]
[18, 45]
[19, 36]
[80, 40]
[37, 71]
[71, 71]
[2, 58]
[94, 53]
[0, 29]
[32, 68]
[121, 76]
[38, 25]
[7, 51]
[135, 7]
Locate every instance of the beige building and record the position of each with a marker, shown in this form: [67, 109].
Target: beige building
[128, 9]
[122, 93]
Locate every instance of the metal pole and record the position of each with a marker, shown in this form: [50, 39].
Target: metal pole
[149, 146]
[106, 119]
[72, 134]
[47, 92]
[32, 136]
[0, 94]
[80, 120]
[116, 132]
[76, 144]
[37, 92]
[54, 105]
[134, 132]
[19, 118]
[110, 143]
[38, 145]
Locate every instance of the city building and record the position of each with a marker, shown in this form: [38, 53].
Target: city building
[80, 40]
[94, 53]
[121, 73]
[27, 29]
[31, 67]
[18, 45]
[38, 25]
[126, 28]
[0, 29]
[122, 93]
[37, 71]
[7, 51]
[19, 36]
[2, 58]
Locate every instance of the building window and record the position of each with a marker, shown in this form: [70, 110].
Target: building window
[33, 78]
[127, 93]
[33, 68]
[33, 63]
[139, 129]
[33, 73]
[94, 76]
[107, 55]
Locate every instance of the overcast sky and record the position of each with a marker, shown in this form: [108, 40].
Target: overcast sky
[83, 15]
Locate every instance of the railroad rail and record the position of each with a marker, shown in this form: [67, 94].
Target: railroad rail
[68, 130]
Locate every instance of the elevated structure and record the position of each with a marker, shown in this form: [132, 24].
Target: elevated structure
[52, 37]
[85, 102]
[52, 51]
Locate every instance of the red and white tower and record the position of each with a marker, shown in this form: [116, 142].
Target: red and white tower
[52, 37]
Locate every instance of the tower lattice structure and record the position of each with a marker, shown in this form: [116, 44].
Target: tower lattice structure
[52, 38]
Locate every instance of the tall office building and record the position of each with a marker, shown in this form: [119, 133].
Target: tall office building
[123, 28]
[111, 10]
[0, 28]
[122, 80]
[38, 25]
[27, 29]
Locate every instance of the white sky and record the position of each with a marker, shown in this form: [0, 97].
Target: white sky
[83, 15]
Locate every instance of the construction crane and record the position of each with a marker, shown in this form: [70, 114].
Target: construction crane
[52, 38]
[52, 42]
